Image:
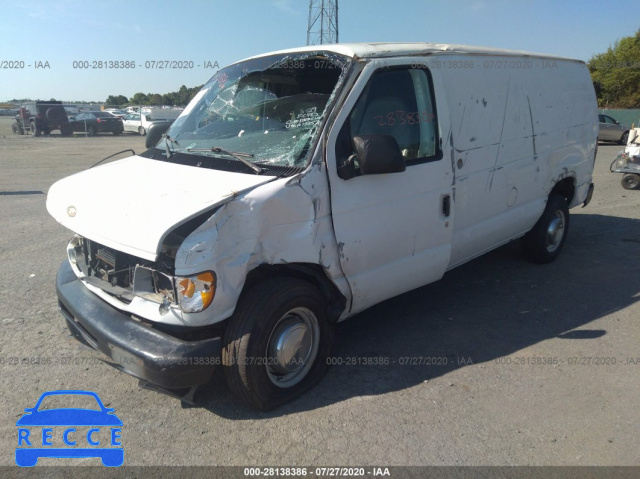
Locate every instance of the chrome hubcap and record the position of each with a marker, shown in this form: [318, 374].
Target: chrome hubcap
[292, 347]
[555, 231]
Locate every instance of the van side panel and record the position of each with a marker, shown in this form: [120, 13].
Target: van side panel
[517, 130]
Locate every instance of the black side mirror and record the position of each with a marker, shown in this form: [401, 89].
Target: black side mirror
[155, 132]
[378, 154]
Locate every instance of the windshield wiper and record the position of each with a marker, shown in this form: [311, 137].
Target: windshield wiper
[237, 155]
[168, 151]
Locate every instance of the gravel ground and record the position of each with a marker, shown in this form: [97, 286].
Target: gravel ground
[538, 365]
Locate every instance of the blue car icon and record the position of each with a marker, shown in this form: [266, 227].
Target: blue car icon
[32, 446]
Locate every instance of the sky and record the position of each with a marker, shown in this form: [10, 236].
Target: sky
[48, 37]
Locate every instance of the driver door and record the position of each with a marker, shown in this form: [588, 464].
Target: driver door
[393, 230]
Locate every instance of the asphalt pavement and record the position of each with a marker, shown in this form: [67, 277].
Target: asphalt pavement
[502, 362]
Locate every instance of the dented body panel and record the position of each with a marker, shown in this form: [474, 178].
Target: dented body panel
[287, 221]
[516, 134]
[261, 175]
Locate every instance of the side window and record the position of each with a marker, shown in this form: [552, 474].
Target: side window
[396, 102]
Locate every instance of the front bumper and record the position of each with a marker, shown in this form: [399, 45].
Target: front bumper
[134, 347]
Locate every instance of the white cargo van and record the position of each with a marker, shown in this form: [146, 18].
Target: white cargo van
[301, 187]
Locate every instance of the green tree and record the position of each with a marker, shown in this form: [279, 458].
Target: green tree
[183, 95]
[176, 98]
[139, 99]
[616, 74]
[169, 99]
[155, 99]
[116, 100]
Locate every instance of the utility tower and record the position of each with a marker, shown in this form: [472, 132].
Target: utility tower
[323, 22]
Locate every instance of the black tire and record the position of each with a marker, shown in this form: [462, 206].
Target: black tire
[631, 181]
[92, 130]
[142, 131]
[66, 130]
[116, 132]
[259, 372]
[545, 240]
[624, 138]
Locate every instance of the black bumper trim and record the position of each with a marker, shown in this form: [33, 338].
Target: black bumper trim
[135, 348]
[589, 195]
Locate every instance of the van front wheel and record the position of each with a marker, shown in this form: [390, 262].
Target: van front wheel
[277, 343]
[545, 240]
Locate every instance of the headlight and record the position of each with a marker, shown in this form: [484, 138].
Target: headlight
[622, 159]
[195, 293]
[74, 249]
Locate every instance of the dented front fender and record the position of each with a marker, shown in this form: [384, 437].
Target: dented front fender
[282, 222]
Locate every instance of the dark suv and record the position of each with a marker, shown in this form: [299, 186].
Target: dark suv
[42, 117]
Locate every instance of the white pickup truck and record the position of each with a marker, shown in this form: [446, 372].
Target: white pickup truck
[301, 187]
[140, 122]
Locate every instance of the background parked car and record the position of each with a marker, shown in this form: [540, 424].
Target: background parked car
[94, 122]
[612, 130]
[140, 122]
[117, 112]
[132, 123]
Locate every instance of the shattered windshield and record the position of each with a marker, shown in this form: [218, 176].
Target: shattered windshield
[266, 111]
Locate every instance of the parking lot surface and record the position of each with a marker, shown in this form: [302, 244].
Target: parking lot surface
[502, 362]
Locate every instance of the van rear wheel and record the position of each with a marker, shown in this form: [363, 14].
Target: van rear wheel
[277, 343]
[545, 240]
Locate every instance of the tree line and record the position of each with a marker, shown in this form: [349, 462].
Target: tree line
[616, 74]
[177, 98]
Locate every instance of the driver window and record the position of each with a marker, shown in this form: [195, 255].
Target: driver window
[396, 102]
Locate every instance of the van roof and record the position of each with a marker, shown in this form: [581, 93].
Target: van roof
[382, 50]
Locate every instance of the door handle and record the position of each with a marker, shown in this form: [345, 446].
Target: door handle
[446, 205]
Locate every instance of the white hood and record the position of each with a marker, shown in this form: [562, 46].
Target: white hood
[132, 204]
